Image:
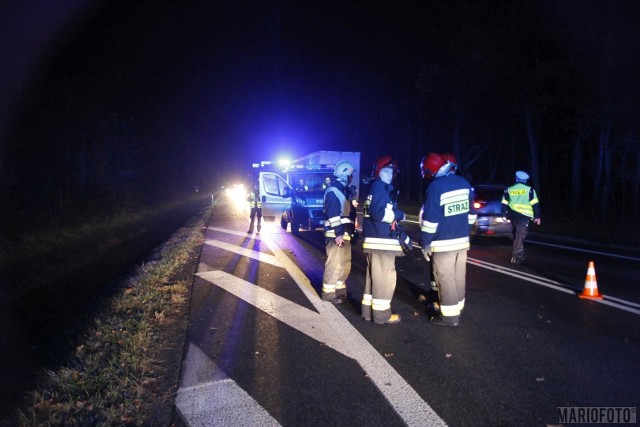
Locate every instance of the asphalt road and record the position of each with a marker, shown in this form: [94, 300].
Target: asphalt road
[263, 349]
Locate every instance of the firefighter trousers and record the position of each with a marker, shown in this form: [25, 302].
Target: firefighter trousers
[379, 286]
[449, 270]
[336, 269]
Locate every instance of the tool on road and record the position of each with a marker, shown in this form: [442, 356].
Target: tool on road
[591, 284]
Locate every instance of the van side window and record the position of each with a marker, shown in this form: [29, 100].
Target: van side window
[270, 184]
[273, 184]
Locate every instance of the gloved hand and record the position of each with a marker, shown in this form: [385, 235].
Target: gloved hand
[339, 240]
[427, 255]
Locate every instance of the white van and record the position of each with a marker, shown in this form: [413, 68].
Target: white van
[275, 194]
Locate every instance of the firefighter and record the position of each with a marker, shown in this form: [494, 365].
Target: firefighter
[447, 216]
[520, 204]
[255, 206]
[380, 243]
[432, 299]
[338, 230]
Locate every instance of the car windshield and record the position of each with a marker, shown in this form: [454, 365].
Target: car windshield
[489, 193]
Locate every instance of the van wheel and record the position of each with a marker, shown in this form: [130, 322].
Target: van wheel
[283, 224]
[295, 227]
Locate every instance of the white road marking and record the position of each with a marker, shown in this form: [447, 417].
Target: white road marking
[589, 251]
[235, 233]
[610, 301]
[329, 327]
[250, 253]
[404, 399]
[218, 402]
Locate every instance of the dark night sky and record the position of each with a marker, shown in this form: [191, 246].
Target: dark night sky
[245, 81]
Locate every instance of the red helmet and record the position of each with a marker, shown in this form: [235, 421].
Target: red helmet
[431, 163]
[448, 157]
[386, 162]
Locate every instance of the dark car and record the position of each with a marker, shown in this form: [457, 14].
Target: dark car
[488, 205]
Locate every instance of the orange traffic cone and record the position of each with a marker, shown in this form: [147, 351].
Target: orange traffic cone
[591, 284]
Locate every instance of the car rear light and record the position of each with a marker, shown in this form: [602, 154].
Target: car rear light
[479, 204]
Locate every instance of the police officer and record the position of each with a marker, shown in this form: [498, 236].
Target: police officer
[380, 243]
[302, 186]
[326, 183]
[255, 206]
[338, 229]
[521, 205]
[447, 216]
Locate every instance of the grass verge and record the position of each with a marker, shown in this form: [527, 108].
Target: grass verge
[126, 364]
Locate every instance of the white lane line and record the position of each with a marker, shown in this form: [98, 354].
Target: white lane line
[218, 402]
[402, 397]
[589, 251]
[610, 301]
[250, 253]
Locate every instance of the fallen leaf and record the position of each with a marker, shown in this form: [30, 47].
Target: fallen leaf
[389, 355]
[447, 355]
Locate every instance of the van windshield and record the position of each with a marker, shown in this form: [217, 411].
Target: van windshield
[310, 181]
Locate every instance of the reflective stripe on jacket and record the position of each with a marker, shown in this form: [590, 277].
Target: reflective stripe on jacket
[254, 201]
[521, 199]
[447, 215]
[337, 212]
[380, 210]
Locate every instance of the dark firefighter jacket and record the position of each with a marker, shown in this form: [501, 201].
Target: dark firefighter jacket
[380, 211]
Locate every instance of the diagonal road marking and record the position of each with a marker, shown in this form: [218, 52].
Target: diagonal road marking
[234, 232]
[402, 397]
[301, 318]
[219, 402]
[327, 326]
[250, 253]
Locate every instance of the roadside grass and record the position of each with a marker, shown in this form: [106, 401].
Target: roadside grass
[59, 253]
[126, 363]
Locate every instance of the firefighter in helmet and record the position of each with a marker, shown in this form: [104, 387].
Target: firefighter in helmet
[447, 216]
[380, 243]
[339, 227]
[520, 204]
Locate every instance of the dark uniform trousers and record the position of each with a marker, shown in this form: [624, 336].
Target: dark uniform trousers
[520, 230]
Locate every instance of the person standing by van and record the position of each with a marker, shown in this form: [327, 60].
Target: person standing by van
[338, 229]
[255, 206]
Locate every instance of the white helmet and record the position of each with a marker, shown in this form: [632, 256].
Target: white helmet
[343, 170]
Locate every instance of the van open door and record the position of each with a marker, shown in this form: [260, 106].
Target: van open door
[275, 194]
